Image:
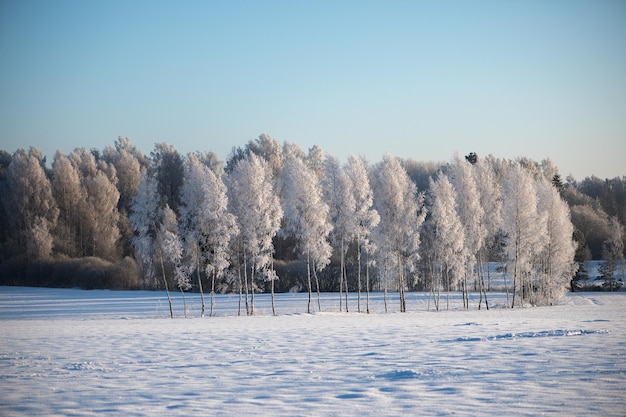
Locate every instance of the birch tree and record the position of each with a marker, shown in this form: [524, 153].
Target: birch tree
[306, 216]
[207, 224]
[98, 220]
[491, 202]
[31, 207]
[145, 218]
[338, 194]
[557, 264]
[524, 230]
[449, 249]
[471, 214]
[258, 214]
[69, 196]
[366, 218]
[401, 216]
[169, 250]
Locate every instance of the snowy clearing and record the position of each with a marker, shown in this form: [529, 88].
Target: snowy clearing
[73, 352]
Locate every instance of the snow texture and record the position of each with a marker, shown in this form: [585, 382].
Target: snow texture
[73, 352]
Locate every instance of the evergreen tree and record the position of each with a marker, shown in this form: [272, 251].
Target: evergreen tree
[612, 253]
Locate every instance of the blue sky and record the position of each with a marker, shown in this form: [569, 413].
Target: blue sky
[411, 78]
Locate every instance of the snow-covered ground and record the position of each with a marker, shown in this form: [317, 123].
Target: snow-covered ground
[73, 352]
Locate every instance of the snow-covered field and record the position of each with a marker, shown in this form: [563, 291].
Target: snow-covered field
[73, 352]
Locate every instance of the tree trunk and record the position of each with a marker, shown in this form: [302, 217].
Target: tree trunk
[358, 294]
[367, 281]
[385, 287]
[341, 279]
[240, 289]
[252, 268]
[273, 305]
[317, 286]
[212, 292]
[184, 301]
[448, 288]
[167, 291]
[308, 274]
[344, 275]
[199, 279]
[401, 284]
[245, 280]
[465, 292]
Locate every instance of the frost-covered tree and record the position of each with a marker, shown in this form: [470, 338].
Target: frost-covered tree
[491, 202]
[127, 161]
[449, 248]
[101, 216]
[462, 175]
[98, 220]
[306, 217]
[258, 214]
[401, 216]
[30, 206]
[338, 194]
[69, 195]
[206, 223]
[315, 160]
[144, 218]
[366, 218]
[557, 264]
[524, 228]
[169, 251]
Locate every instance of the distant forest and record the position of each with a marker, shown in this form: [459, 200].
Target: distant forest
[276, 217]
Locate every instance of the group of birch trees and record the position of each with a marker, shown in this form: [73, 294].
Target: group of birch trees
[193, 221]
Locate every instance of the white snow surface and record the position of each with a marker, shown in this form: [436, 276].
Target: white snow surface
[80, 353]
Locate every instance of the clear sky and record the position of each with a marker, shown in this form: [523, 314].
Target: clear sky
[413, 78]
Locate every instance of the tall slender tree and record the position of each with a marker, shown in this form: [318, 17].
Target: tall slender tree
[557, 264]
[69, 196]
[207, 224]
[169, 250]
[31, 207]
[524, 229]
[402, 214]
[450, 250]
[366, 218]
[258, 214]
[462, 175]
[144, 218]
[306, 217]
[338, 194]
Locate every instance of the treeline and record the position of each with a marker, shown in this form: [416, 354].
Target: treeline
[273, 217]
